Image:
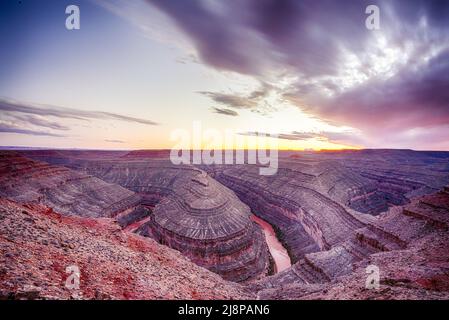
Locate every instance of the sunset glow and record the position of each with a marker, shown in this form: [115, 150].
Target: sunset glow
[138, 70]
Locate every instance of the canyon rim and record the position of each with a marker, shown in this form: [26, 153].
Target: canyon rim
[261, 150]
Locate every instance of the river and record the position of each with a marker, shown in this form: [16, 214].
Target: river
[277, 250]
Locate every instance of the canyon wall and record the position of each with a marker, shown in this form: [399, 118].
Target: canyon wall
[185, 209]
[408, 244]
[209, 224]
[37, 244]
[306, 220]
[333, 211]
[67, 191]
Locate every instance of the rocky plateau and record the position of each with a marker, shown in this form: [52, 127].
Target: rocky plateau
[140, 227]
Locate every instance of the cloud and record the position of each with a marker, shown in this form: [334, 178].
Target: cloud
[284, 136]
[13, 129]
[414, 98]
[249, 36]
[254, 133]
[217, 40]
[67, 113]
[384, 82]
[254, 101]
[230, 100]
[226, 112]
[309, 37]
[295, 135]
[37, 121]
[345, 138]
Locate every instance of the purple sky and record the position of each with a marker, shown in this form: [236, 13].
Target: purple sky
[309, 71]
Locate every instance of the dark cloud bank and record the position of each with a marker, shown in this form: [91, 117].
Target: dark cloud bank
[312, 40]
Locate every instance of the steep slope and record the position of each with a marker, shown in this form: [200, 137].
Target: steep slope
[64, 190]
[210, 225]
[185, 209]
[408, 245]
[397, 175]
[349, 187]
[38, 244]
[306, 220]
[194, 214]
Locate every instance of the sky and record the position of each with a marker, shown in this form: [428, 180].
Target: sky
[138, 72]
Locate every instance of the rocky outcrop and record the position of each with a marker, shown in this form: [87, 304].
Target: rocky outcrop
[307, 220]
[134, 218]
[371, 181]
[344, 185]
[38, 244]
[190, 212]
[409, 245]
[64, 190]
[335, 212]
[208, 223]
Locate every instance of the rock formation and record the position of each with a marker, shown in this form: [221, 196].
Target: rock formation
[190, 212]
[62, 189]
[193, 214]
[408, 245]
[307, 221]
[335, 212]
[38, 244]
[210, 225]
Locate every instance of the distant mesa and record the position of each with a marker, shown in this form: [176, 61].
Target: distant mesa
[139, 154]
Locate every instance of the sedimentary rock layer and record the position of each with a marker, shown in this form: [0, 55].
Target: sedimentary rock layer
[408, 245]
[210, 225]
[307, 221]
[370, 181]
[333, 211]
[191, 212]
[38, 244]
[65, 190]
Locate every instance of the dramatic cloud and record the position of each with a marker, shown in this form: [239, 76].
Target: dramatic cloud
[67, 113]
[217, 39]
[246, 36]
[226, 112]
[413, 98]
[384, 82]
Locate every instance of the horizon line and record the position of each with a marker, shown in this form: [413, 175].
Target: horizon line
[25, 148]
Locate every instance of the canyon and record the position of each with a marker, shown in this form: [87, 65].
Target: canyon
[278, 252]
[307, 232]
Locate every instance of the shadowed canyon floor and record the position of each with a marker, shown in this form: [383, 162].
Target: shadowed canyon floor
[319, 222]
